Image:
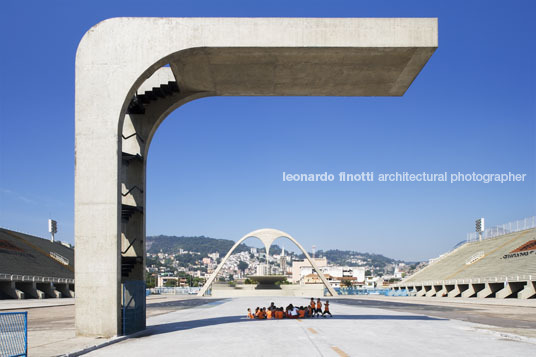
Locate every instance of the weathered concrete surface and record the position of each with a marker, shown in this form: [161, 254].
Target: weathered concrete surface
[208, 56]
[223, 330]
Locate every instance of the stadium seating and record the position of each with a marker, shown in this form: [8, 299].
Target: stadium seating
[32, 267]
[501, 267]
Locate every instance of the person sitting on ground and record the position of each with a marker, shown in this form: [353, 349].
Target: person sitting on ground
[318, 307]
[294, 312]
[279, 313]
[269, 313]
[326, 309]
[262, 314]
[250, 315]
[287, 310]
[257, 310]
[301, 312]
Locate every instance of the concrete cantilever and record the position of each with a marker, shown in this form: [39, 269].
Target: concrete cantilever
[267, 236]
[123, 94]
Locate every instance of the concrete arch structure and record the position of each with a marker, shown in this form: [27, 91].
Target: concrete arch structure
[125, 89]
[267, 236]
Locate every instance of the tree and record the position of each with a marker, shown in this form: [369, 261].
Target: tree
[170, 283]
[242, 266]
[347, 283]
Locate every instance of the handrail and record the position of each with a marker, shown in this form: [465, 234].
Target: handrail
[131, 135]
[35, 278]
[131, 189]
[493, 279]
[126, 250]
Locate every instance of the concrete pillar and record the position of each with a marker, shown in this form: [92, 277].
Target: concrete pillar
[423, 291]
[528, 291]
[489, 290]
[456, 291]
[7, 288]
[30, 290]
[441, 291]
[117, 56]
[49, 290]
[432, 291]
[509, 290]
[64, 289]
[472, 290]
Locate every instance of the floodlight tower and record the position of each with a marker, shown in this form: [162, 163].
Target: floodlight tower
[314, 250]
[52, 228]
[479, 224]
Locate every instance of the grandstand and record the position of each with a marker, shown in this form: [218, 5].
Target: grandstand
[498, 267]
[32, 267]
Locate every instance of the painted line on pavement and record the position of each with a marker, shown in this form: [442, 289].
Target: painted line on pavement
[312, 330]
[339, 351]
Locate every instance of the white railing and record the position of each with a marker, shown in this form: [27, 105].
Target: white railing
[494, 279]
[37, 279]
[175, 290]
[60, 258]
[510, 227]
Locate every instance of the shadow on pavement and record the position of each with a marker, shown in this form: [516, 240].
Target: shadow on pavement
[188, 325]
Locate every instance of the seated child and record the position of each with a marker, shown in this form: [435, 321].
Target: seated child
[301, 312]
[250, 315]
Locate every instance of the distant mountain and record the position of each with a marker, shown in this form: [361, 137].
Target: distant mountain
[351, 258]
[205, 245]
[202, 244]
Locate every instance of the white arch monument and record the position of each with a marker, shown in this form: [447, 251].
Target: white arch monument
[267, 236]
[132, 72]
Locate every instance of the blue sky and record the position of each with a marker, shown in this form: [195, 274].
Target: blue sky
[472, 108]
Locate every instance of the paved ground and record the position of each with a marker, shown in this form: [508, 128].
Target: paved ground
[51, 329]
[364, 326]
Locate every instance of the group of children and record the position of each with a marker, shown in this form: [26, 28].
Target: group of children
[291, 311]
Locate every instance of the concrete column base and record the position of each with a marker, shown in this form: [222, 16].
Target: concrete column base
[421, 292]
[509, 290]
[472, 290]
[30, 290]
[528, 292]
[442, 291]
[49, 290]
[432, 292]
[7, 288]
[64, 290]
[489, 290]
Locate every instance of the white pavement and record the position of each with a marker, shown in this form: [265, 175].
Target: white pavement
[221, 329]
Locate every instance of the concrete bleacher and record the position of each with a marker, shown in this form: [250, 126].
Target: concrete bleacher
[33, 267]
[500, 267]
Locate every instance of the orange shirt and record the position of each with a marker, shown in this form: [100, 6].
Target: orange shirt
[279, 314]
[301, 313]
[250, 315]
[313, 306]
[262, 315]
[319, 305]
[269, 314]
[326, 307]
